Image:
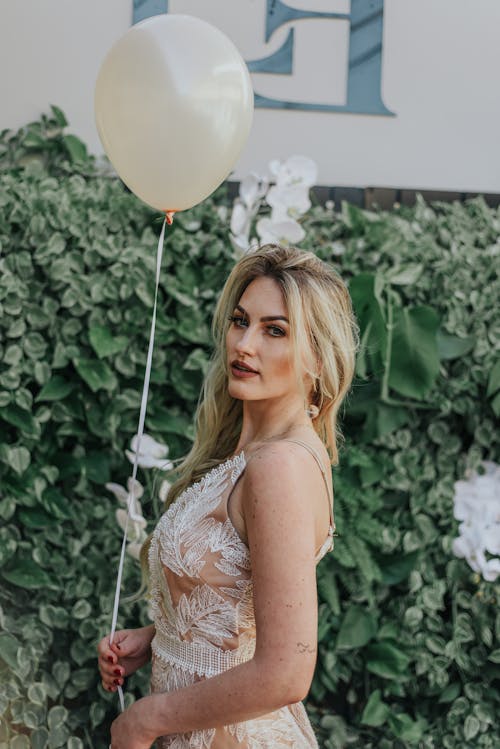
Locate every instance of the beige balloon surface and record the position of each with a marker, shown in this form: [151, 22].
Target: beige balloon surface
[173, 106]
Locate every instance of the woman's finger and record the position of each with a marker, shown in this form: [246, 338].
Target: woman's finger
[103, 645]
[112, 672]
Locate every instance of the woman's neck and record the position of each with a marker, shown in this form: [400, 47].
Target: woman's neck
[261, 425]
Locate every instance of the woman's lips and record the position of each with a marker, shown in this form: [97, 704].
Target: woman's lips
[242, 374]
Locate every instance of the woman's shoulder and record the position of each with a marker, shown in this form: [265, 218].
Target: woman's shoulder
[288, 446]
[285, 459]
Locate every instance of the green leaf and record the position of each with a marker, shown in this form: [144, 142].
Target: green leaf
[34, 140]
[357, 628]
[494, 380]
[56, 504]
[194, 328]
[97, 713]
[495, 405]
[81, 609]
[37, 694]
[471, 727]
[450, 693]
[25, 573]
[97, 467]
[57, 716]
[96, 374]
[385, 420]
[59, 116]
[39, 738]
[61, 672]
[197, 361]
[452, 347]
[77, 150]
[405, 276]
[163, 420]
[21, 419]
[327, 588]
[376, 711]
[8, 649]
[75, 743]
[366, 291]
[396, 567]
[414, 361]
[495, 656]
[371, 473]
[386, 660]
[105, 343]
[55, 389]
[405, 728]
[18, 458]
[35, 518]
[19, 741]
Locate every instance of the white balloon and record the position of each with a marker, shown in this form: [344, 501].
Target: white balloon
[173, 106]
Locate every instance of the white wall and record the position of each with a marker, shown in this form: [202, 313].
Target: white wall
[440, 76]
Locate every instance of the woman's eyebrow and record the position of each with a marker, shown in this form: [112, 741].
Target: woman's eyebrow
[267, 318]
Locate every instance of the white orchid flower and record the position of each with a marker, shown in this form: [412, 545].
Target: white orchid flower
[136, 526]
[152, 454]
[252, 189]
[251, 192]
[240, 219]
[134, 549]
[337, 248]
[280, 232]
[477, 505]
[240, 244]
[491, 569]
[491, 538]
[122, 494]
[296, 170]
[288, 202]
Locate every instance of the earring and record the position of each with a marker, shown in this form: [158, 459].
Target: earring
[312, 411]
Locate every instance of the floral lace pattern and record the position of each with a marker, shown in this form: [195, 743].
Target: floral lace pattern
[202, 606]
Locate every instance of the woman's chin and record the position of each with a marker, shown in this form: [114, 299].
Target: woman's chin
[239, 390]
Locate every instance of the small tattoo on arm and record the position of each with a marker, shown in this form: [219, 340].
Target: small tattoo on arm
[303, 647]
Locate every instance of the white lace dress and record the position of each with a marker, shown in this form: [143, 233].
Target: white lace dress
[202, 607]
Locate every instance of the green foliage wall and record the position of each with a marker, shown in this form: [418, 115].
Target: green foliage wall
[409, 635]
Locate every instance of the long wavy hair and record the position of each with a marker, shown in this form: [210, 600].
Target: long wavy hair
[325, 338]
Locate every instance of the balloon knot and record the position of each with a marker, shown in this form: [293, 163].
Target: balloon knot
[169, 217]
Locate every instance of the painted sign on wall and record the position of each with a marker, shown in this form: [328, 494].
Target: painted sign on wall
[364, 64]
[384, 93]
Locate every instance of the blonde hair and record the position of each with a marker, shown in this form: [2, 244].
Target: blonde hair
[318, 305]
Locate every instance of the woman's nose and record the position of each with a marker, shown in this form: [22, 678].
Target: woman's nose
[246, 342]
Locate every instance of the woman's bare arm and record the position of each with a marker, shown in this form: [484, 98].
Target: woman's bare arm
[280, 493]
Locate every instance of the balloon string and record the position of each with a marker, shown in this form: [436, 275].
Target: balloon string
[140, 430]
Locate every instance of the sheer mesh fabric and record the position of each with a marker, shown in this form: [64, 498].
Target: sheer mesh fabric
[202, 607]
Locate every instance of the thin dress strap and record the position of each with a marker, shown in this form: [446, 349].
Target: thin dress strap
[323, 473]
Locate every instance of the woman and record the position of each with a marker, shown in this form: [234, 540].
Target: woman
[232, 562]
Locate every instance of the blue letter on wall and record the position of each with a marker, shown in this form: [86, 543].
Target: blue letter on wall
[146, 8]
[365, 53]
[365, 56]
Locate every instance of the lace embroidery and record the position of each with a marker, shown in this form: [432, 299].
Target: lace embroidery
[201, 601]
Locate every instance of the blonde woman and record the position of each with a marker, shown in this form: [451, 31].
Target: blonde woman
[232, 561]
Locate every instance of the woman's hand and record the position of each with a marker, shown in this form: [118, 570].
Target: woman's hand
[130, 649]
[130, 730]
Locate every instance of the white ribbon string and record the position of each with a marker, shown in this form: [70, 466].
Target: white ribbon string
[131, 498]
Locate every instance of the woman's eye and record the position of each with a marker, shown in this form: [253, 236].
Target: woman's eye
[275, 331]
[237, 320]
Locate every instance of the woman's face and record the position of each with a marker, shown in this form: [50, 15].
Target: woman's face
[259, 339]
